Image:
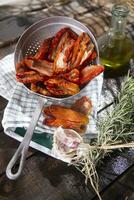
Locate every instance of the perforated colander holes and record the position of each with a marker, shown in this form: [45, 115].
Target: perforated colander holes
[33, 48]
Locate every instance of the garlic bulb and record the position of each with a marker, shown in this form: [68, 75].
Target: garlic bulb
[65, 143]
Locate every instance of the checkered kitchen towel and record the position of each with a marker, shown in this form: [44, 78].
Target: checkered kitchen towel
[22, 103]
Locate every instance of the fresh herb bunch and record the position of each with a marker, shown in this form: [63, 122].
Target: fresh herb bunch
[118, 125]
[115, 131]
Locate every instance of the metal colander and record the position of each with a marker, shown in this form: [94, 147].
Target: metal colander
[27, 45]
[33, 37]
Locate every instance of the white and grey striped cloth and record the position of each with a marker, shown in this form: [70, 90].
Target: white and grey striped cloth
[22, 103]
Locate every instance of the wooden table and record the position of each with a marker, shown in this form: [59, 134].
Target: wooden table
[44, 177]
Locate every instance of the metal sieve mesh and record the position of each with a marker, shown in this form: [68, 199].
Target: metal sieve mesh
[33, 48]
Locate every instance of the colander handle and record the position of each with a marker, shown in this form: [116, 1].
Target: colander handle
[23, 147]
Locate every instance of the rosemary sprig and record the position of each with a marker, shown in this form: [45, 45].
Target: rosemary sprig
[116, 130]
[118, 125]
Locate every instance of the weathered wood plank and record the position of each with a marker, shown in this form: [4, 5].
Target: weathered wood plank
[45, 179]
[8, 146]
[52, 179]
[122, 188]
[115, 165]
[3, 103]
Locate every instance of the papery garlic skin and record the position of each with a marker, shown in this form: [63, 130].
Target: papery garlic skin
[65, 143]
